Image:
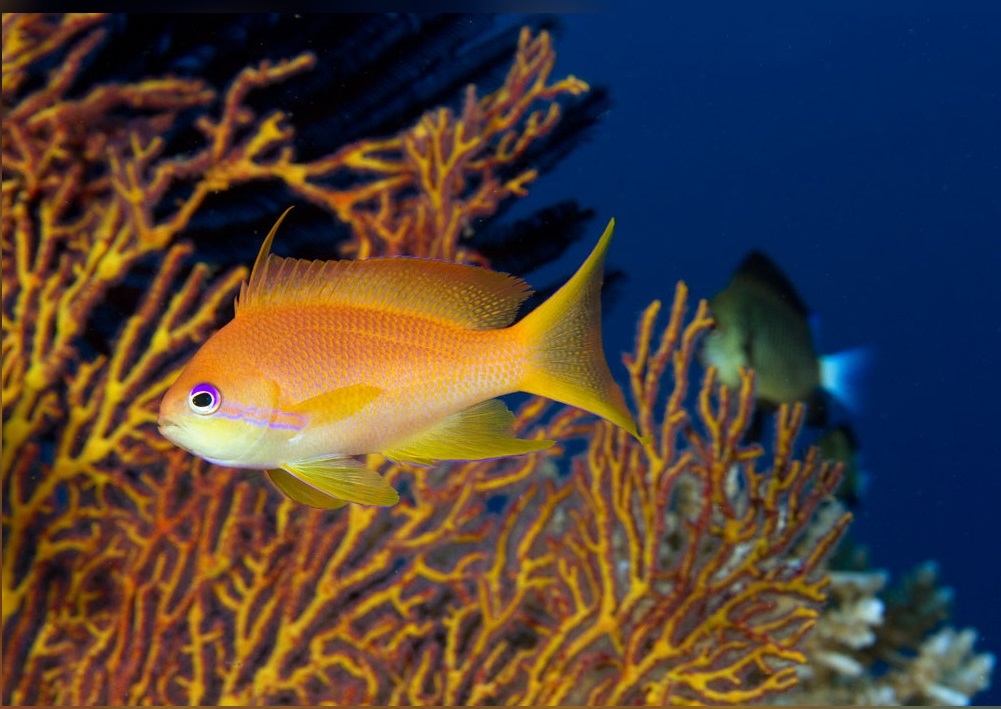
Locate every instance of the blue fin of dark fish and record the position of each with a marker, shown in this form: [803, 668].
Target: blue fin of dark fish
[844, 375]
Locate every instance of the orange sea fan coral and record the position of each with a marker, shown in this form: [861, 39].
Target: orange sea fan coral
[199, 585]
[673, 571]
[97, 529]
[680, 569]
[426, 185]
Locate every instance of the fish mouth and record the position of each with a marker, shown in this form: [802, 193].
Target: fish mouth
[174, 433]
[168, 428]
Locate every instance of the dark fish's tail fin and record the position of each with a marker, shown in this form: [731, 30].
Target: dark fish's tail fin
[844, 375]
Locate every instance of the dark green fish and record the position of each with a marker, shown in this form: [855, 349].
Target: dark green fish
[762, 323]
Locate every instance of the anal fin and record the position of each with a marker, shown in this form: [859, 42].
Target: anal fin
[482, 431]
[330, 481]
[302, 493]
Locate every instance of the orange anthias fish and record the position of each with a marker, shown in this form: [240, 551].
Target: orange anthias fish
[326, 360]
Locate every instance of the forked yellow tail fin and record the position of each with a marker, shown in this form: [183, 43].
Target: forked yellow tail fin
[567, 361]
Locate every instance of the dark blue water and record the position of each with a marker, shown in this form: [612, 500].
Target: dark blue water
[862, 151]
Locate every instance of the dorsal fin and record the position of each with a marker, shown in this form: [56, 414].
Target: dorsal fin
[469, 296]
[758, 267]
[253, 282]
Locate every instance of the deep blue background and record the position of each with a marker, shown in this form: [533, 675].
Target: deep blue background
[860, 150]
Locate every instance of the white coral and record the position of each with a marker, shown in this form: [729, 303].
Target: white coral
[946, 670]
[858, 633]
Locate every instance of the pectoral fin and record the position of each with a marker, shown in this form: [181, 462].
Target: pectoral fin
[323, 481]
[338, 404]
[479, 432]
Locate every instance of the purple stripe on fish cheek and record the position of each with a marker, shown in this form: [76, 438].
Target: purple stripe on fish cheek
[286, 421]
[263, 418]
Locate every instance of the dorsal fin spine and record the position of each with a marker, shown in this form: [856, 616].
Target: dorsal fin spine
[251, 285]
[262, 255]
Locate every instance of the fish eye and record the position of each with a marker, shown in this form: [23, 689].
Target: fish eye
[204, 399]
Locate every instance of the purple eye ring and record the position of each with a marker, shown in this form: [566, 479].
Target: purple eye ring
[204, 399]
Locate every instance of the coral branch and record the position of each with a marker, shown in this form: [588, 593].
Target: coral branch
[687, 567]
[129, 570]
[426, 186]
